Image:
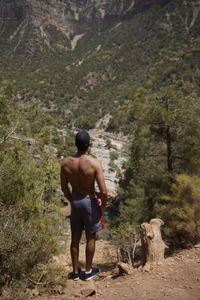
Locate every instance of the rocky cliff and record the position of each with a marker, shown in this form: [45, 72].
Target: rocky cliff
[74, 16]
[61, 23]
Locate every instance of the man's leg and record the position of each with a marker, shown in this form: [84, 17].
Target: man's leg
[90, 249]
[76, 236]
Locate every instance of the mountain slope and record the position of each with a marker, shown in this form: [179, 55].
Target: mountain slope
[105, 67]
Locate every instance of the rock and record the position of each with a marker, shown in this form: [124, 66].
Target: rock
[100, 150]
[55, 259]
[58, 290]
[35, 292]
[88, 289]
[146, 268]
[125, 268]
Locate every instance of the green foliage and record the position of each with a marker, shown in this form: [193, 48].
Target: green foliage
[108, 143]
[96, 81]
[30, 223]
[165, 141]
[112, 166]
[48, 278]
[123, 235]
[180, 210]
[113, 155]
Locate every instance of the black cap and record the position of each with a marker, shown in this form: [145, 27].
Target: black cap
[82, 140]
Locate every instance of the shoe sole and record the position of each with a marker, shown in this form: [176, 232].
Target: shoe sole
[93, 276]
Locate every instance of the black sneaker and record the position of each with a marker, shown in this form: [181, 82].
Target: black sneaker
[92, 273]
[75, 276]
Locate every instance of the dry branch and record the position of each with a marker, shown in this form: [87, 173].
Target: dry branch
[8, 135]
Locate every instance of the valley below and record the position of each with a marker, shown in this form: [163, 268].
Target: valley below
[104, 145]
[128, 72]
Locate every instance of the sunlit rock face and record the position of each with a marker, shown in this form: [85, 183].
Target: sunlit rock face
[76, 16]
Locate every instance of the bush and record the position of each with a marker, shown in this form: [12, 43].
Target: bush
[124, 238]
[113, 155]
[180, 211]
[29, 224]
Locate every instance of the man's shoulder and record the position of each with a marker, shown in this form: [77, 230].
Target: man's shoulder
[66, 160]
[94, 161]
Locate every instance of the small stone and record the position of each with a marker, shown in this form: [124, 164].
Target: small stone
[88, 289]
[146, 268]
[35, 293]
[125, 268]
[176, 279]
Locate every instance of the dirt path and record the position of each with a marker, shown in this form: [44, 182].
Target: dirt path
[177, 277]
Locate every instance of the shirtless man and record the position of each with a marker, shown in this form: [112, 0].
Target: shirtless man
[80, 171]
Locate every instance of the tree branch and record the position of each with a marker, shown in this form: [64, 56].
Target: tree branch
[4, 227]
[8, 135]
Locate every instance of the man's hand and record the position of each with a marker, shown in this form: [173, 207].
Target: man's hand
[102, 195]
[99, 202]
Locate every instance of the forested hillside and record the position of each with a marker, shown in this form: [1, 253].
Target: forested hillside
[106, 67]
[136, 62]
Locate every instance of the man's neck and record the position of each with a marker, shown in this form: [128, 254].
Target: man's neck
[79, 153]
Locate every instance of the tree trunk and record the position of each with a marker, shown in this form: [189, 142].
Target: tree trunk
[169, 150]
[152, 244]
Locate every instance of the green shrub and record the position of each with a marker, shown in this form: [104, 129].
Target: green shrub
[180, 210]
[29, 224]
[113, 155]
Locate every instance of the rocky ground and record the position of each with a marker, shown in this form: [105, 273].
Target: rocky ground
[178, 276]
[103, 145]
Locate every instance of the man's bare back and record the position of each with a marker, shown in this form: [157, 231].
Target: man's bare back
[81, 171]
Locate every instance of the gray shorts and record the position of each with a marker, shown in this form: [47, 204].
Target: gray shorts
[85, 214]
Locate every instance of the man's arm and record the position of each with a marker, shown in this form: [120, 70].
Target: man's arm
[64, 184]
[101, 184]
